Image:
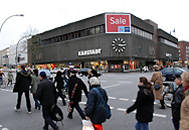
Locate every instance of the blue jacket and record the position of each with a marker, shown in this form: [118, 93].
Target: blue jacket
[96, 115]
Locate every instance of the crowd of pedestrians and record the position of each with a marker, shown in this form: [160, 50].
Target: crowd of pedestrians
[46, 92]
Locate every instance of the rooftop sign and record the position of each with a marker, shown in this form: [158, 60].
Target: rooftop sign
[118, 23]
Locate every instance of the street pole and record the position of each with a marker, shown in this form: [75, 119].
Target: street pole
[24, 37]
[9, 18]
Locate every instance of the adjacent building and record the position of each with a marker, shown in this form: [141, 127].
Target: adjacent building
[4, 57]
[108, 41]
[183, 52]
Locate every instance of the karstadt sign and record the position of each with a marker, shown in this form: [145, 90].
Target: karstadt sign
[118, 23]
[89, 52]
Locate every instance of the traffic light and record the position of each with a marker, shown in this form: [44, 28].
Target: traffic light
[18, 60]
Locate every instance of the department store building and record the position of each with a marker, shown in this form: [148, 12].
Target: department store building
[108, 41]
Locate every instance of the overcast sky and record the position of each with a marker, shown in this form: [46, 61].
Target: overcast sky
[43, 15]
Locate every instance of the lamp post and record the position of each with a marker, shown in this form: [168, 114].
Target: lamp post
[9, 18]
[22, 38]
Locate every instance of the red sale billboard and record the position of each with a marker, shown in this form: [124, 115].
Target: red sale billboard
[118, 23]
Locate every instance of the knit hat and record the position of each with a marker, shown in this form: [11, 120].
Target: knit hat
[94, 81]
[43, 74]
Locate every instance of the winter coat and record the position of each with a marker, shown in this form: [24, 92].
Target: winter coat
[184, 120]
[46, 93]
[176, 102]
[92, 103]
[81, 86]
[157, 79]
[23, 81]
[34, 83]
[10, 76]
[60, 83]
[144, 105]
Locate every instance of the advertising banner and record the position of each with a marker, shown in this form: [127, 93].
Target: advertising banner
[118, 23]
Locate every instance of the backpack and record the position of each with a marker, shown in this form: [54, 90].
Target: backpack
[56, 113]
[104, 104]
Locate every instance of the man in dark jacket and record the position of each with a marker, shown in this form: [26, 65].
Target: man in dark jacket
[75, 87]
[46, 94]
[178, 97]
[23, 82]
[97, 116]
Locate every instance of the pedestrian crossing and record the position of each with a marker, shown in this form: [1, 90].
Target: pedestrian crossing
[112, 107]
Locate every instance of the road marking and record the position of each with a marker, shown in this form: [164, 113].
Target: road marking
[121, 109]
[123, 99]
[1, 126]
[82, 103]
[112, 98]
[133, 100]
[160, 115]
[111, 86]
[5, 129]
[156, 115]
[112, 108]
[7, 90]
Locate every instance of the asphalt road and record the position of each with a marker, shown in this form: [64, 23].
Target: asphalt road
[121, 89]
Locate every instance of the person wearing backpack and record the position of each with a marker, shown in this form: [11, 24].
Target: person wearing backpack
[95, 110]
[144, 104]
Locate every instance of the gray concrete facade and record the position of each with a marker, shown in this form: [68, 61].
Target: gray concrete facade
[55, 49]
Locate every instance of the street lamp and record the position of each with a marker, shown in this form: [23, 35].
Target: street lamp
[22, 38]
[9, 18]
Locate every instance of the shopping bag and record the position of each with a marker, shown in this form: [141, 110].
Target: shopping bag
[87, 125]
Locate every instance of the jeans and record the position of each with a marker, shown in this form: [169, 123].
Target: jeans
[141, 126]
[27, 96]
[176, 124]
[77, 107]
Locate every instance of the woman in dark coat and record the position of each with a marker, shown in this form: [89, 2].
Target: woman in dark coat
[144, 104]
[59, 81]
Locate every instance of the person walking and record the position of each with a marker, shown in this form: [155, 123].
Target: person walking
[75, 87]
[46, 94]
[23, 82]
[10, 78]
[1, 77]
[144, 104]
[184, 118]
[34, 84]
[59, 81]
[158, 81]
[96, 116]
[176, 102]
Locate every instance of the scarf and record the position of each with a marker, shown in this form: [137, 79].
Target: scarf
[185, 89]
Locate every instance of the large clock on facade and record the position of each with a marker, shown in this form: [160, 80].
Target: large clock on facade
[119, 45]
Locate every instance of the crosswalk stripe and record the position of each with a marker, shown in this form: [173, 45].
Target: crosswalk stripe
[123, 99]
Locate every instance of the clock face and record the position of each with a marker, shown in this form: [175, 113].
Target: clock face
[119, 45]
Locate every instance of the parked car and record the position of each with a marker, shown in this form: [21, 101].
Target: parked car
[83, 71]
[48, 73]
[170, 73]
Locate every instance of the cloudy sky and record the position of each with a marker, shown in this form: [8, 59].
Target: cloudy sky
[43, 15]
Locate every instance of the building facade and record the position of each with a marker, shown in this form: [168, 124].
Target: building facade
[183, 52]
[110, 41]
[22, 53]
[4, 57]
